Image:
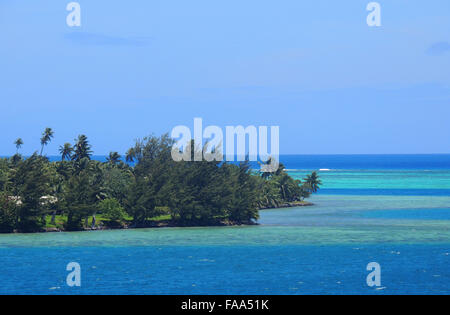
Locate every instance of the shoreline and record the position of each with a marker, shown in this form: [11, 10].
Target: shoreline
[290, 205]
[172, 224]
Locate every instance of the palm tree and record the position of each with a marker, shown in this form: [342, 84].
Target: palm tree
[283, 183]
[130, 155]
[113, 158]
[313, 182]
[47, 136]
[66, 151]
[82, 149]
[18, 143]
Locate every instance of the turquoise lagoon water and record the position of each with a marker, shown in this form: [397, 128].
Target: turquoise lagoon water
[398, 218]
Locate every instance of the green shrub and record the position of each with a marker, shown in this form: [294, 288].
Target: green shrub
[112, 210]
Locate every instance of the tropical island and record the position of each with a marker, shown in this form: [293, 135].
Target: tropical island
[148, 189]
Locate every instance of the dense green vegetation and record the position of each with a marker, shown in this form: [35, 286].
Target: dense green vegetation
[78, 193]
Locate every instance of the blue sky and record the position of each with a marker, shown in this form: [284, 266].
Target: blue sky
[314, 68]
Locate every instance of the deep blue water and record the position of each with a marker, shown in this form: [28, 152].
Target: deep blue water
[367, 162]
[406, 269]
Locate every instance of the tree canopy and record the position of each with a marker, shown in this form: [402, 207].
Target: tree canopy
[147, 185]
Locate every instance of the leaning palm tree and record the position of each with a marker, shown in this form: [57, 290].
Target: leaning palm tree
[47, 136]
[313, 182]
[19, 144]
[113, 158]
[66, 151]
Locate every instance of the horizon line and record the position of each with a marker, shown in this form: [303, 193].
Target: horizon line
[287, 154]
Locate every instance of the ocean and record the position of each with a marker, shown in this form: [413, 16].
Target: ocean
[389, 209]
